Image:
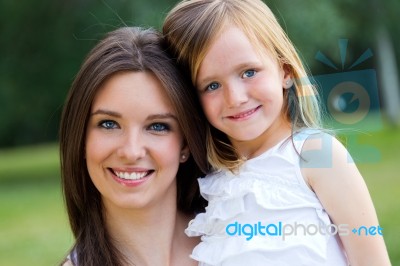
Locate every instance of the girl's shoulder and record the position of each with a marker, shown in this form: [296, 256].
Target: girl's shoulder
[307, 133]
[321, 138]
[318, 144]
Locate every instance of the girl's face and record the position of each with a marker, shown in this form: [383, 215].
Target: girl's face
[241, 92]
[133, 143]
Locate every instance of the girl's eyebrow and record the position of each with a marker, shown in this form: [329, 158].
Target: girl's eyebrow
[199, 84]
[249, 64]
[238, 67]
[106, 112]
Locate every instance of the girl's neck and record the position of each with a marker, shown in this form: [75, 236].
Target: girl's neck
[268, 139]
[153, 236]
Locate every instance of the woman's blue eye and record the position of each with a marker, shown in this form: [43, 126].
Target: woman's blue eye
[249, 73]
[108, 124]
[159, 127]
[213, 86]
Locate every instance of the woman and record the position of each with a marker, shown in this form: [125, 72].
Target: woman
[129, 158]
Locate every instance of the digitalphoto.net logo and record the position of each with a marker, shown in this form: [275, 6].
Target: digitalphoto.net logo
[285, 230]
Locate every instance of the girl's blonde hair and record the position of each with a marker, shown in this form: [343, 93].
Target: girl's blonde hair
[190, 29]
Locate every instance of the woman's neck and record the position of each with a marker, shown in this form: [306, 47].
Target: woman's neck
[152, 236]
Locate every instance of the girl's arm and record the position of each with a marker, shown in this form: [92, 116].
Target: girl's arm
[334, 177]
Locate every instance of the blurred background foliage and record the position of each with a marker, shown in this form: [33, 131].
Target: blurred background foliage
[43, 44]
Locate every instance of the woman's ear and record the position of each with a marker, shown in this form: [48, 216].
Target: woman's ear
[184, 155]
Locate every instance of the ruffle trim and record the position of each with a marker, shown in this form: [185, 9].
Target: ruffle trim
[228, 198]
[226, 195]
[217, 251]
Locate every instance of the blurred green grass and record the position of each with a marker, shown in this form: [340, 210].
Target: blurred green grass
[34, 227]
[383, 180]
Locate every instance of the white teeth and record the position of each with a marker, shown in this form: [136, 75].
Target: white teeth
[244, 114]
[131, 176]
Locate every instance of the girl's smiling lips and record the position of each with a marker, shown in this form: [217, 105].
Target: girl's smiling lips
[243, 115]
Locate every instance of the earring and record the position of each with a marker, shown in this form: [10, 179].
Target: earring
[288, 84]
[183, 156]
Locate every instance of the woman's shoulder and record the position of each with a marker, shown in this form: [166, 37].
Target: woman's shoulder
[70, 260]
[67, 262]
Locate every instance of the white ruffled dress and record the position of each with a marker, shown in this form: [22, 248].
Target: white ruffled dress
[250, 215]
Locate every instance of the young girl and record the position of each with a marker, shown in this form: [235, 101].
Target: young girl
[283, 192]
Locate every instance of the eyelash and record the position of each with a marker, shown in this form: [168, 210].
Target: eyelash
[208, 87]
[249, 70]
[164, 127]
[157, 127]
[103, 124]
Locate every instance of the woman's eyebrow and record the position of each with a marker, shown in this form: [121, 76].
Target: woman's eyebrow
[150, 117]
[106, 112]
[162, 116]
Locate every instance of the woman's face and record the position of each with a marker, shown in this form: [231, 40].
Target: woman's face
[134, 143]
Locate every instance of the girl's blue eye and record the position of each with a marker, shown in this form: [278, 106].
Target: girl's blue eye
[159, 127]
[213, 86]
[108, 124]
[249, 73]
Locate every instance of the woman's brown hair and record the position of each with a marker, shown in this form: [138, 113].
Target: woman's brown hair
[126, 49]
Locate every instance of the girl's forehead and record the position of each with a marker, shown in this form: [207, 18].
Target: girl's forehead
[262, 45]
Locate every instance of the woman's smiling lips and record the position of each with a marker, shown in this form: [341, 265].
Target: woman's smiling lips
[243, 115]
[131, 177]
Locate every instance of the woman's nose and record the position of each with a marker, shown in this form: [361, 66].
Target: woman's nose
[132, 145]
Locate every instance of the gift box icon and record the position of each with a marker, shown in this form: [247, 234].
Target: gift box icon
[351, 97]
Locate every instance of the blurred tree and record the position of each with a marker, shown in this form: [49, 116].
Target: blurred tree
[318, 25]
[43, 44]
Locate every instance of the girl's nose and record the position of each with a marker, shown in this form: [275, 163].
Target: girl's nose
[235, 95]
[132, 146]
